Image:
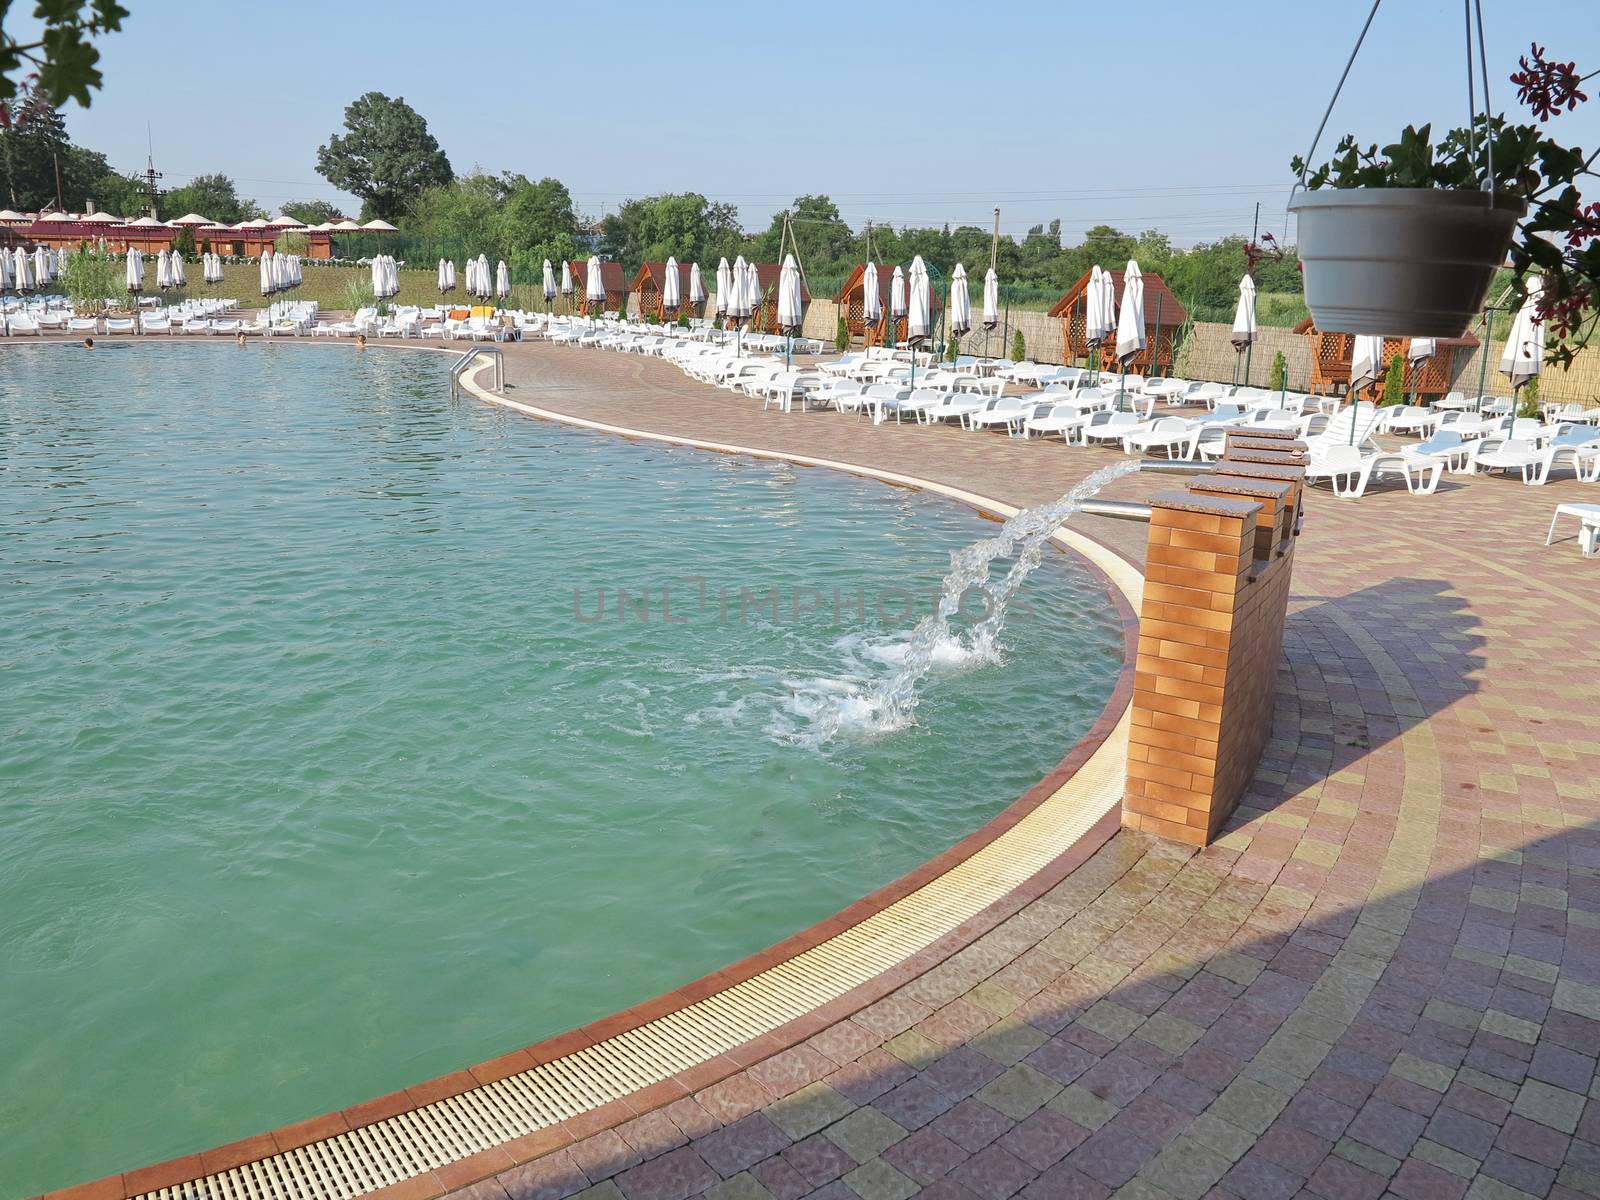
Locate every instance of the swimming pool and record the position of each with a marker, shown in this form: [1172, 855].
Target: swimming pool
[352, 734]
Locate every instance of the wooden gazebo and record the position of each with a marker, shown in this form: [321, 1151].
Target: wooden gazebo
[1330, 363]
[852, 304]
[1159, 304]
[648, 287]
[611, 275]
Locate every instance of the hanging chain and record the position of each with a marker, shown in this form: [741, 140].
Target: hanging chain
[1472, 100]
[1305, 164]
[1488, 107]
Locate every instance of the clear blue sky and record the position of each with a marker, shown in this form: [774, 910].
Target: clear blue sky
[1164, 113]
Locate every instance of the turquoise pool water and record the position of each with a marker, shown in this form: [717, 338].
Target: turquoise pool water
[316, 781]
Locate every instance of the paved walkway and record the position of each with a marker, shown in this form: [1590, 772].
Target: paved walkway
[1384, 980]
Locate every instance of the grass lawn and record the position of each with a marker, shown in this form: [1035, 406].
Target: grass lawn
[329, 286]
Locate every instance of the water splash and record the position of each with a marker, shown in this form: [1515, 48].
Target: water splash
[891, 703]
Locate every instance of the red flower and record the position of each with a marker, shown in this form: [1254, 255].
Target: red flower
[1547, 88]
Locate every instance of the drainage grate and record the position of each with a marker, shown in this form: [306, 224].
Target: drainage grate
[413, 1143]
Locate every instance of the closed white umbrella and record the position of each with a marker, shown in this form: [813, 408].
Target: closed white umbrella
[897, 295]
[134, 277]
[566, 278]
[474, 279]
[791, 306]
[1130, 323]
[379, 277]
[502, 280]
[594, 286]
[1366, 361]
[449, 275]
[1130, 318]
[991, 299]
[1524, 353]
[41, 266]
[1420, 350]
[1108, 304]
[697, 286]
[180, 274]
[919, 304]
[161, 269]
[738, 291]
[5, 271]
[871, 297]
[753, 296]
[724, 288]
[19, 269]
[392, 270]
[1243, 333]
[1244, 315]
[960, 303]
[671, 287]
[299, 276]
[443, 280]
[1094, 317]
[549, 282]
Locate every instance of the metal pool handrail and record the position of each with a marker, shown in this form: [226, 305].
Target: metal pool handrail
[461, 363]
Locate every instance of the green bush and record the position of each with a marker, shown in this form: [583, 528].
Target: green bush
[683, 318]
[841, 336]
[358, 293]
[292, 243]
[1280, 372]
[1394, 382]
[1019, 347]
[205, 245]
[184, 242]
[1529, 398]
[92, 277]
[953, 347]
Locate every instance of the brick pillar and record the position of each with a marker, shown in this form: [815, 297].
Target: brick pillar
[1217, 574]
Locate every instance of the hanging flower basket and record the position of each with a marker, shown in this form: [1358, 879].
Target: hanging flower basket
[1408, 262]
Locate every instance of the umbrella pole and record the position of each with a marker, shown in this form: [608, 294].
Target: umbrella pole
[1155, 347]
[1122, 386]
[1488, 346]
[1249, 350]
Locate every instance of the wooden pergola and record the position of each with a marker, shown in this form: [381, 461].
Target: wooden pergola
[648, 286]
[611, 275]
[852, 304]
[1330, 363]
[1159, 342]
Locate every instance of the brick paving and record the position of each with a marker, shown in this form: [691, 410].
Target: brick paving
[1383, 980]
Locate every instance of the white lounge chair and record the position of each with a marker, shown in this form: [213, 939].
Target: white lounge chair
[1448, 447]
[1170, 435]
[120, 324]
[1343, 466]
[1588, 526]
[1109, 427]
[1509, 454]
[1578, 445]
[1002, 410]
[84, 325]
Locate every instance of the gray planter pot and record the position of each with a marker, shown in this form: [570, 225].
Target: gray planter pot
[1406, 262]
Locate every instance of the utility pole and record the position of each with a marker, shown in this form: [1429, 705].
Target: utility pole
[151, 174]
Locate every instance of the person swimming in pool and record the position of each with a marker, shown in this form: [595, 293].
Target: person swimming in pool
[88, 343]
[361, 341]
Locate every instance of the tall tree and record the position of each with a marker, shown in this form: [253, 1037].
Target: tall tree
[31, 149]
[312, 212]
[386, 156]
[211, 196]
[62, 59]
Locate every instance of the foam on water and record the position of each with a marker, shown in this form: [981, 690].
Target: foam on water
[886, 704]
